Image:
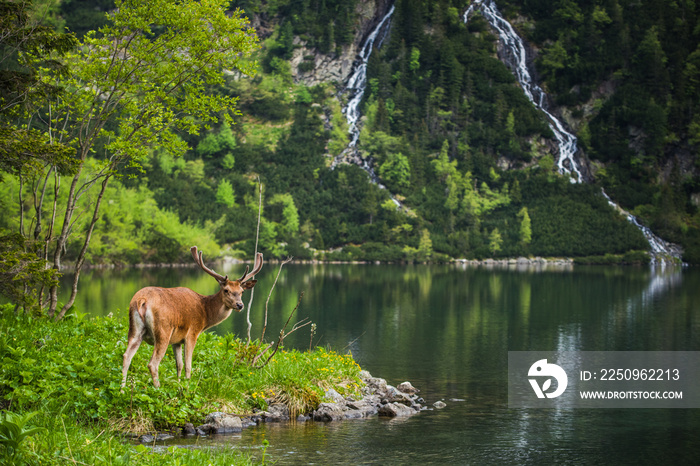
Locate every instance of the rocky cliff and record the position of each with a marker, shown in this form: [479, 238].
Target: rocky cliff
[311, 67]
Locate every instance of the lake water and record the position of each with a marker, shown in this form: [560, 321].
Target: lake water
[448, 330]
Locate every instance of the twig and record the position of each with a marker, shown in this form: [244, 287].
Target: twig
[302, 323]
[68, 441]
[72, 459]
[257, 236]
[286, 261]
[361, 335]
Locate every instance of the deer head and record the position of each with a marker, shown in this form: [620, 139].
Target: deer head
[231, 290]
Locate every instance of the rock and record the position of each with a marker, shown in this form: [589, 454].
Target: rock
[221, 423]
[329, 412]
[276, 412]
[363, 408]
[396, 410]
[303, 418]
[188, 429]
[334, 396]
[394, 396]
[374, 386]
[248, 422]
[407, 387]
[162, 437]
[147, 438]
[439, 404]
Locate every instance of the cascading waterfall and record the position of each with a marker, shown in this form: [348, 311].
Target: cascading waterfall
[515, 57]
[356, 88]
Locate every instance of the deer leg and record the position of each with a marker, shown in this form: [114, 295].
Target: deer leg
[159, 349]
[177, 349]
[189, 349]
[131, 348]
[136, 333]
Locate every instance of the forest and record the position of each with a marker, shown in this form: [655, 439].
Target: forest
[465, 164]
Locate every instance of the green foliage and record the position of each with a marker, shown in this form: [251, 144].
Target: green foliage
[525, 226]
[396, 172]
[224, 193]
[23, 271]
[13, 432]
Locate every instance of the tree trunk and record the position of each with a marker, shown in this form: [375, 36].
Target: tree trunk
[63, 239]
[83, 250]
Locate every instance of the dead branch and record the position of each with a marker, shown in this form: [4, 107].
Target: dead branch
[286, 261]
[302, 323]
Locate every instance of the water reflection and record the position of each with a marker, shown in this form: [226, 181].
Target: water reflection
[448, 329]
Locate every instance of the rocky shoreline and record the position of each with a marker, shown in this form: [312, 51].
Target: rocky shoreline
[378, 398]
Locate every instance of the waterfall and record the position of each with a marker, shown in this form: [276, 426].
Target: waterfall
[356, 88]
[515, 57]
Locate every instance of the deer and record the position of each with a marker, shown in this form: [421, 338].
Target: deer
[175, 316]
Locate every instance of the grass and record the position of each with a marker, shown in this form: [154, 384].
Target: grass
[69, 374]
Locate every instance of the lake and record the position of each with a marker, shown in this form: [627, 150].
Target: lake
[448, 329]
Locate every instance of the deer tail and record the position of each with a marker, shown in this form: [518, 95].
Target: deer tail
[141, 308]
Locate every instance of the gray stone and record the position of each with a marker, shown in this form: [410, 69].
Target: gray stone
[188, 429]
[365, 407]
[222, 423]
[396, 410]
[147, 438]
[329, 412]
[407, 387]
[374, 386]
[276, 412]
[439, 404]
[395, 396]
[334, 396]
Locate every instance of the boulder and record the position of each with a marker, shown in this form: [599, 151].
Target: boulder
[407, 387]
[392, 395]
[221, 423]
[276, 412]
[329, 412]
[363, 408]
[188, 429]
[334, 396]
[396, 410]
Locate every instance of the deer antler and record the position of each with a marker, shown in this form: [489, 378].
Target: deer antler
[198, 259]
[256, 268]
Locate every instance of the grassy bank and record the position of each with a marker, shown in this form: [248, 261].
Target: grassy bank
[68, 374]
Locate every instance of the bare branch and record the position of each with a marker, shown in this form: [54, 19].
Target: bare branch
[282, 264]
[257, 236]
[300, 324]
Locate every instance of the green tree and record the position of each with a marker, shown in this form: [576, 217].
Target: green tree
[425, 245]
[149, 73]
[495, 241]
[396, 171]
[225, 194]
[25, 152]
[525, 226]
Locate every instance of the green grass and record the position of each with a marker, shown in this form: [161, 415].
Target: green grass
[69, 373]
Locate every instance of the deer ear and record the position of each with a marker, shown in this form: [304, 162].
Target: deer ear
[249, 284]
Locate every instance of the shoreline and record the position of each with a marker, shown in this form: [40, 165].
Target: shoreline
[508, 262]
[379, 399]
